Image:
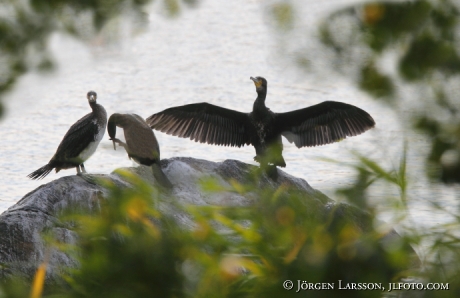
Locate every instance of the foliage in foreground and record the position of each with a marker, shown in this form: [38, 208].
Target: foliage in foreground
[133, 249]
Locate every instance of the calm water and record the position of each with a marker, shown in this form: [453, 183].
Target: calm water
[207, 54]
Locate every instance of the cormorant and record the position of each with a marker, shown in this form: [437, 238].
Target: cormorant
[79, 143]
[320, 124]
[141, 144]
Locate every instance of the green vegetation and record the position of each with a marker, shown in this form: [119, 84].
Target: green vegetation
[133, 249]
[422, 39]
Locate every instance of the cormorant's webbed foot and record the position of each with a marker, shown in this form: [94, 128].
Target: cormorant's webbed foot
[272, 172]
[82, 171]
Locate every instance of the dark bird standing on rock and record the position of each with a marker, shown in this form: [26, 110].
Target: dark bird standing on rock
[141, 144]
[79, 143]
[320, 124]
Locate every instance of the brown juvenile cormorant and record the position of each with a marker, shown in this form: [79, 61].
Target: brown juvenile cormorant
[320, 124]
[141, 144]
[79, 143]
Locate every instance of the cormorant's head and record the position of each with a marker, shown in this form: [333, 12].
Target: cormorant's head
[261, 84]
[92, 96]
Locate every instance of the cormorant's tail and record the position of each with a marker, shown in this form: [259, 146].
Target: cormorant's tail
[161, 177]
[41, 173]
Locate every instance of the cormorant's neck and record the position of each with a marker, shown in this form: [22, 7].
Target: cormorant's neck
[112, 129]
[260, 100]
[94, 106]
[100, 113]
[97, 108]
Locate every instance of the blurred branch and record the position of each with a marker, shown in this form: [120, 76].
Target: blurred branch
[400, 52]
[25, 28]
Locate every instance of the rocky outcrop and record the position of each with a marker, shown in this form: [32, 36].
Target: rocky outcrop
[22, 247]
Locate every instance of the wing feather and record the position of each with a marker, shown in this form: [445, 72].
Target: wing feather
[204, 123]
[77, 138]
[323, 123]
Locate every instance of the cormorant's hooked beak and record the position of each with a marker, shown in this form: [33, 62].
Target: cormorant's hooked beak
[113, 141]
[257, 82]
[92, 96]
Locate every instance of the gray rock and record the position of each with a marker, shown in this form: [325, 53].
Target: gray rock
[22, 248]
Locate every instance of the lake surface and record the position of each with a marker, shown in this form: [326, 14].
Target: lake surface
[207, 54]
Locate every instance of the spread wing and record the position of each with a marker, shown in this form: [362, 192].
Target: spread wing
[323, 123]
[204, 123]
[77, 138]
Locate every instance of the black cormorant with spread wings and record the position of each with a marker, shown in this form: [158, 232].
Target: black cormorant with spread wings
[79, 143]
[320, 124]
[141, 144]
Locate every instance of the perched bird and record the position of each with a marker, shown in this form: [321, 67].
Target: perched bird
[141, 144]
[79, 143]
[320, 124]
